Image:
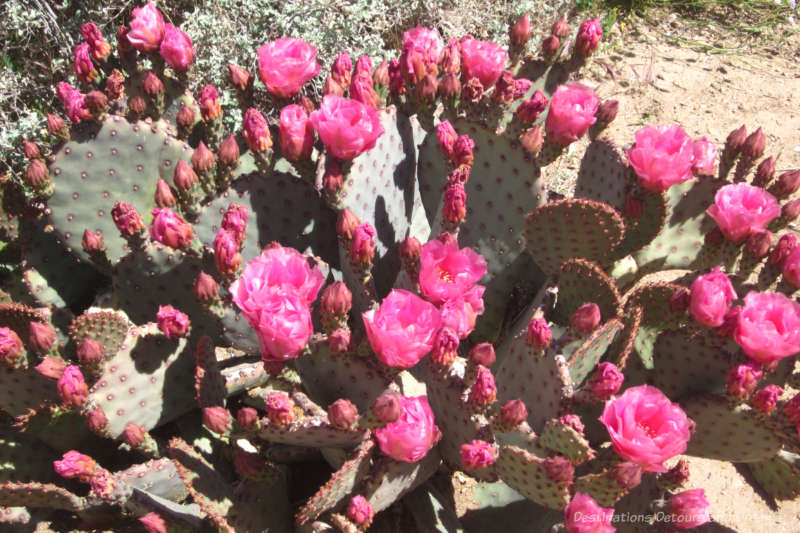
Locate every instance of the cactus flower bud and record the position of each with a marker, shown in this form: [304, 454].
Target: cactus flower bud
[427, 88]
[341, 69]
[164, 197]
[679, 301]
[50, 367]
[147, 28]
[256, 131]
[339, 340]
[759, 243]
[75, 465]
[628, 474]
[785, 246]
[633, 208]
[336, 299]
[202, 158]
[97, 421]
[445, 347]
[133, 435]
[387, 408]
[184, 178]
[185, 118]
[589, 35]
[520, 32]
[397, 84]
[240, 78]
[92, 241]
[764, 172]
[205, 288]
[521, 87]
[90, 352]
[482, 354]
[791, 268]
[362, 249]
[788, 183]
[559, 470]
[539, 335]
[533, 140]
[217, 419]
[71, 387]
[409, 250]
[606, 381]
[153, 523]
[450, 57]
[136, 105]
[331, 86]
[171, 322]
[504, 88]
[96, 102]
[478, 454]
[380, 78]
[607, 112]
[791, 210]
[586, 318]
[560, 27]
[41, 337]
[73, 102]
[124, 45]
[176, 48]
[228, 153]
[30, 149]
[342, 414]
[360, 512]
[12, 352]
[450, 87]
[296, 133]
[127, 220]
[82, 64]
[152, 84]
[530, 109]
[346, 224]
[115, 85]
[36, 175]
[484, 390]
[279, 408]
[572, 421]
[689, 509]
[742, 380]
[711, 297]
[550, 46]
[472, 90]
[584, 515]
[736, 139]
[247, 418]
[56, 125]
[766, 399]
[513, 413]
[170, 229]
[754, 145]
[447, 138]
[333, 180]
[454, 208]
[98, 45]
[208, 99]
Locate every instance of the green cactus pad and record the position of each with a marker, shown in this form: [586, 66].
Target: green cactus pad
[779, 476]
[341, 485]
[580, 282]
[21, 390]
[654, 298]
[106, 326]
[623, 343]
[59, 428]
[639, 232]
[603, 175]
[146, 383]
[208, 489]
[573, 227]
[584, 355]
[737, 434]
[328, 377]
[252, 498]
[314, 432]
[390, 480]
[44, 495]
[602, 487]
[525, 473]
[119, 161]
[24, 458]
[142, 502]
[158, 477]
[18, 317]
[12, 208]
[680, 242]
[504, 186]
[209, 384]
[565, 441]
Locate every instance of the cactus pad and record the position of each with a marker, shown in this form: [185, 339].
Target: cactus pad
[311, 431]
[582, 356]
[581, 281]
[390, 480]
[44, 495]
[565, 441]
[525, 473]
[602, 487]
[779, 476]
[21, 389]
[107, 326]
[603, 174]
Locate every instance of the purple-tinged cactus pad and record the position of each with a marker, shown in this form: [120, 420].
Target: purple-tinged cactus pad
[158, 477]
[583, 355]
[261, 506]
[581, 281]
[603, 175]
[315, 432]
[779, 476]
[623, 343]
[44, 495]
[602, 487]
[639, 232]
[21, 390]
[565, 441]
[108, 327]
[25, 458]
[389, 480]
[525, 473]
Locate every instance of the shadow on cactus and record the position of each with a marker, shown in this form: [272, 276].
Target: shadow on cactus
[380, 285]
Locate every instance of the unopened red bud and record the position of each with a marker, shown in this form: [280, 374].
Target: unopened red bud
[766, 399]
[785, 246]
[788, 183]
[115, 85]
[208, 100]
[127, 220]
[346, 224]
[240, 78]
[539, 335]
[520, 32]
[736, 139]
[217, 419]
[759, 243]
[530, 109]
[133, 435]
[123, 44]
[559, 470]
[137, 105]
[31, 149]
[504, 88]
[336, 299]
[450, 57]
[387, 408]
[41, 337]
[228, 153]
[742, 380]
[362, 247]
[450, 87]
[628, 475]
[279, 408]
[341, 70]
[36, 175]
[71, 387]
[482, 354]
[55, 124]
[513, 413]
[380, 78]
[550, 46]
[152, 85]
[342, 414]
[460, 174]
[96, 102]
[333, 180]
[454, 206]
[445, 347]
[164, 196]
[586, 318]
[427, 87]
[339, 340]
[97, 421]
[332, 87]
[572, 421]
[202, 158]
[92, 241]
[533, 140]
[484, 390]
[185, 117]
[754, 145]
[90, 352]
[607, 112]
[560, 28]
[463, 150]
[205, 288]
[184, 177]
[791, 210]
[764, 172]
[247, 418]
[306, 104]
[606, 381]
[249, 465]
[409, 249]
[679, 301]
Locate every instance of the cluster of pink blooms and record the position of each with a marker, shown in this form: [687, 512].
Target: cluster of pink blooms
[410, 437]
[148, 33]
[275, 292]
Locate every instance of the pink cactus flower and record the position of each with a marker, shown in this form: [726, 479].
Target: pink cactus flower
[589, 35]
[421, 45]
[478, 454]
[572, 111]
[711, 297]
[347, 127]
[235, 221]
[82, 63]
[360, 511]
[483, 60]
[341, 70]
[71, 387]
[97, 43]
[484, 390]
[741, 209]
[689, 509]
[12, 351]
[146, 28]
[539, 335]
[286, 65]
[226, 252]
[296, 133]
[171, 322]
[170, 229]
[277, 267]
[176, 48]
[742, 380]
[768, 328]
[279, 408]
[606, 381]
[662, 157]
[766, 399]
[73, 102]
[410, 437]
[208, 99]
[646, 427]
[362, 248]
[447, 272]
[586, 318]
[256, 131]
[282, 323]
[402, 329]
[705, 157]
[583, 515]
[791, 267]
[75, 465]
[461, 313]
[153, 523]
